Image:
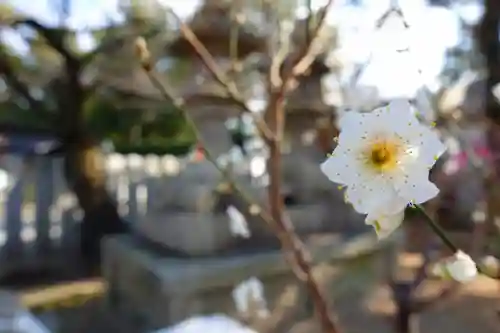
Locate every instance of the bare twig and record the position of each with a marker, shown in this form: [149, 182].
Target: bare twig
[220, 76]
[291, 244]
[272, 132]
[306, 55]
[275, 115]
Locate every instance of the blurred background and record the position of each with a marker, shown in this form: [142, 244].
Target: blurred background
[112, 218]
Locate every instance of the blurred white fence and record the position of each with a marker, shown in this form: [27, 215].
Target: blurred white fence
[38, 213]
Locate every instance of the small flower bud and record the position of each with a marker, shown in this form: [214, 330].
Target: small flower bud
[460, 267]
[142, 53]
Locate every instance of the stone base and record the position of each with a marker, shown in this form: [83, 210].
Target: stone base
[153, 288]
[189, 233]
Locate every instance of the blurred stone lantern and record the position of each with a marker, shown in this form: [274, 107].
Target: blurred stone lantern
[188, 211]
[206, 99]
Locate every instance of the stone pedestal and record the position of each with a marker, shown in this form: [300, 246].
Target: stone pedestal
[194, 234]
[188, 213]
[150, 287]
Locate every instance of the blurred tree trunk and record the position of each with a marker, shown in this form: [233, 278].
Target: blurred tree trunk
[85, 175]
[84, 166]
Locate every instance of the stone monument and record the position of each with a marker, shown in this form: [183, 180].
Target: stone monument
[206, 99]
[187, 214]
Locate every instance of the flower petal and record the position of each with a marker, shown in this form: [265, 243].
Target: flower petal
[340, 167]
[413, 184]
[395, 117]
[354, 128]
[375, 194]
[398, 118]
[385, 225]
[428, 144]
[350, 120]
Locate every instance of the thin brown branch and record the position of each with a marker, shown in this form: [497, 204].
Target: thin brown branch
[55, 38]
[275, 115]
[306, 55]
[219, 75]
[273, 132]
[277, 43]
[291, 245]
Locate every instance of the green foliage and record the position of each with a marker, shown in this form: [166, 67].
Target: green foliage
[156, 129]
[160, 131]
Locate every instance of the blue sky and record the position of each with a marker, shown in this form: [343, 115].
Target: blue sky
[394, 73]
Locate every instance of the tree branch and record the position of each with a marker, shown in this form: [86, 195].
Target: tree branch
[53, 36]
[275, 115]
[218, 74]
[306, 55]
[292, 247]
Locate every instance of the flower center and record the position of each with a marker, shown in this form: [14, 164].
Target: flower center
[382, 155]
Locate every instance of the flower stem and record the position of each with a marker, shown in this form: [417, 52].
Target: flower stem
[437, 229]
[446, 240]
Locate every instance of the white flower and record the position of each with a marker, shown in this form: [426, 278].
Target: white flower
[384, 158]
[460, 267]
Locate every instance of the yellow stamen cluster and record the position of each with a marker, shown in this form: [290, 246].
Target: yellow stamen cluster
[382, 155]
